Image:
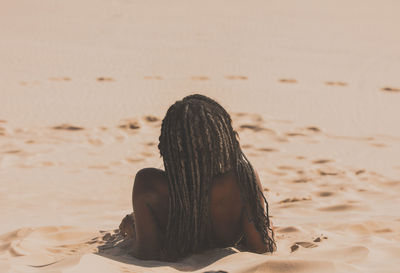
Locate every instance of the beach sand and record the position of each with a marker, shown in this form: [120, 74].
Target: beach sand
[313, 90]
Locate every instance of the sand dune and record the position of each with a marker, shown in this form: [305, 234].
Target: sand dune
[314, 92]
[331, 212]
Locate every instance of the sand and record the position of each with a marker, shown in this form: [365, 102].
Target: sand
[312, 87]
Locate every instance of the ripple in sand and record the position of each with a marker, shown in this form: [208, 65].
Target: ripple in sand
[151, 118]
[130, 125]
[286, 168]
[320, 238]
[60, 79]
[200, 78]
[314, 129]
[333, 83]
[379, 145]
[336, 208]
[255, 128]
[13, 152]
[98, 167]
[289, 229]
[324, 173]
[146, 154]
[390, 89]
[322, 161]
[288, 80]
[133, 160]
[95, 142]
[294, 134]
[325, 194]
[235, 77]
[268, 150]
[359, 172]
[67, 127]
[298, 266]
[152, 77]
[306, 244]
[301, 180]
[295, 199]
[105, 79]
[247, 146]
[383, 230]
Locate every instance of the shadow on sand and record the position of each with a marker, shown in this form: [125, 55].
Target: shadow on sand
[117, 248]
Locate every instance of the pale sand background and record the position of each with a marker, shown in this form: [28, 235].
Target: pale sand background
[308, 75]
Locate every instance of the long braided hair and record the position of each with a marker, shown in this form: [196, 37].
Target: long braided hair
[197, 143]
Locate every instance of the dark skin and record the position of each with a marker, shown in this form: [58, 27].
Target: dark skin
[230, 218]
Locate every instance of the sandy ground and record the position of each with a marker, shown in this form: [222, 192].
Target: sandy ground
[313, 89]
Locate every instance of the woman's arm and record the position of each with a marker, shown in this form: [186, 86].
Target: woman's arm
[253, 240]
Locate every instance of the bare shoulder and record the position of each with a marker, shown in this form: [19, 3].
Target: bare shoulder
[152, 180]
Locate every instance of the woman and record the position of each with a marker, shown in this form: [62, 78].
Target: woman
[209, 195]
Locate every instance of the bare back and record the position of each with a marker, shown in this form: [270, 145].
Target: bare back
[229, 224]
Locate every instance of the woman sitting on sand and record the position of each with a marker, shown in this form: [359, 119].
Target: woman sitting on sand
[209, 195]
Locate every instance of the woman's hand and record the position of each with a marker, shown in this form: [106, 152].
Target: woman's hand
[127, 226]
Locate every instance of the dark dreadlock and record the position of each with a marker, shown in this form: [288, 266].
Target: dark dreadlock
[197, 143]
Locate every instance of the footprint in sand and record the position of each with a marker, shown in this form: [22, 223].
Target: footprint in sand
[320, 238]
[146, 154]
[129, 125]
[133, 160]
[254, 128]
[301, 180]
[358, 172]
[25, 83]
[322, 161]
[239, 114]
[153, 78]
[95, 142]
[335, 83]
[337, 208]
[67, 127]
[268, 150]
[323, 173]
[288, 80]
[293, 200]
[383, 230]
[325, 194]
[286, 168]
[236, 77]
[105, 79]
[313, 129]
[288, 229]
[247, 146]
[294, 134]
[379, 145]
[13, 152]
[98, 167]
[390, 89]
[200, 78]
[296, 245]
[151, 118]
[328, 171]
[60, 79]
